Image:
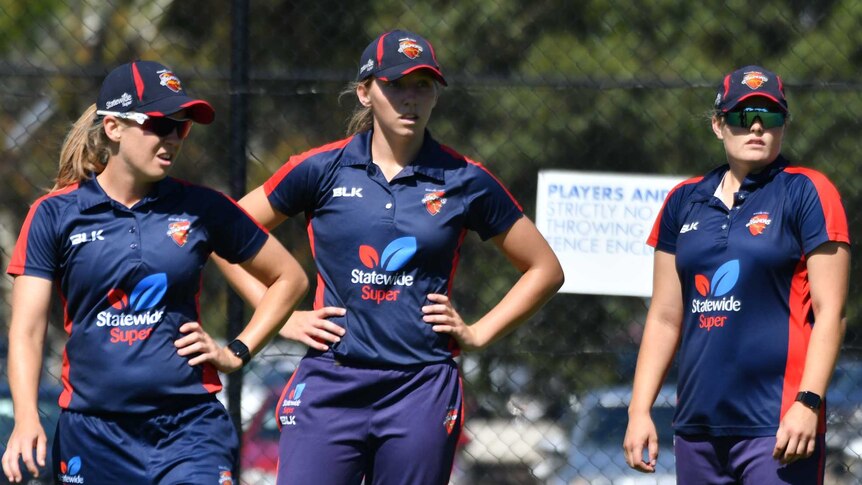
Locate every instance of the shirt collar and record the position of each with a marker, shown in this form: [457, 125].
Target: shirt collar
[91, 194]
[712, 179]
[427, 162]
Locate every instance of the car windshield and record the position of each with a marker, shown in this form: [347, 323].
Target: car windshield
[607, 426]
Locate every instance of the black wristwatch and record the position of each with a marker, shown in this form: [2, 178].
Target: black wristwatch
[810, 400]
[240, 350]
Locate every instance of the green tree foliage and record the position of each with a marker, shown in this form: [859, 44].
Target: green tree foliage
[622, 86]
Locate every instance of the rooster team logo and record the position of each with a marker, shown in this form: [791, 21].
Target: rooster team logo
[449, 422]
[754, 79]
[409, 48]
[757, 224]
[170, 81]
[179, 231]
[434, 201]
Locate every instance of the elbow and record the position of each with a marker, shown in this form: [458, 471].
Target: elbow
[301, 285]
[557, 276]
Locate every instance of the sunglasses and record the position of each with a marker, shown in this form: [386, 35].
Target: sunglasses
[157, 125]
[746, 117]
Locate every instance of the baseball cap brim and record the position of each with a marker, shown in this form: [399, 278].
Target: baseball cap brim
[198, 110]
[755, 95]
[397, 72]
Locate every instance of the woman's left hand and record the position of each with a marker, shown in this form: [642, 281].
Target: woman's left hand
[200, 348]
[797, 434]
[445, 319]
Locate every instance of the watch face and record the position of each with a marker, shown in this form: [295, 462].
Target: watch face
[809, 399]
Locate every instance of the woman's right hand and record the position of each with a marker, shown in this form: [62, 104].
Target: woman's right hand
[25, 437]
[641, 433]
[313, 329]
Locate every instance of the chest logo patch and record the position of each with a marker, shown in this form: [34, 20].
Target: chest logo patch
[758, 222]
[179, 231]
[434, 201]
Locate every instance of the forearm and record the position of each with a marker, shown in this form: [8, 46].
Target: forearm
[249, 288]
[273, 309]
[532, 290]
[823, 349]
[658, 346]
[30, 302]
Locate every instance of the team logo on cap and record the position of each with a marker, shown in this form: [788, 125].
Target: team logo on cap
[754, 79]
[170, 81]
[409, 48]
[434, 201]
[179, 231]
[757, 224]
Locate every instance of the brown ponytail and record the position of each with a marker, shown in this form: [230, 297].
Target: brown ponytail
[85, 150]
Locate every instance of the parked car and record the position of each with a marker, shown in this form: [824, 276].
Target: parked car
[49, 411]
[595, 455]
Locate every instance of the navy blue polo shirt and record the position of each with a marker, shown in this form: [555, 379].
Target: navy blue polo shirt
[128, 279]
[381, 246]
[747, 313]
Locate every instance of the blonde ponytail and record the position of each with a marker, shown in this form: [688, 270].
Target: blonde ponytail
[362, 118]
[85, 150]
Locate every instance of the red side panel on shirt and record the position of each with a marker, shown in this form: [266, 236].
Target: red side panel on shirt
[295, 160]
[833, 211]
[653, 236]
[799, 333]
[19, 256]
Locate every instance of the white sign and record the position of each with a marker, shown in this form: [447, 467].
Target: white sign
[598, 225]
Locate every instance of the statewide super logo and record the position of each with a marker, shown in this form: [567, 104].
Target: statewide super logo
[385, 269]
[290, 403]
[758, 222]
[136, 310]
[434, 201]
[70, 471]
[409, 48]
[714, 292]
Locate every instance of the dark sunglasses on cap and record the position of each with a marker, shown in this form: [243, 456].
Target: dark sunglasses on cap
[158, 125]
[746, 117]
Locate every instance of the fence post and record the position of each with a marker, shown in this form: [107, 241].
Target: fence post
[238, 131]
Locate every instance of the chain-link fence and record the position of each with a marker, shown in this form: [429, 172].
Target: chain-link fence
[610, 86]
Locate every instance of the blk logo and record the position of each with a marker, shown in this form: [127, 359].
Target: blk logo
[345, 192]
[722, 282]
[85, 237]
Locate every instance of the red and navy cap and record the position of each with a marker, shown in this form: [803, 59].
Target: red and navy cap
[150, 88]
[397, 53]
[748, 82]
